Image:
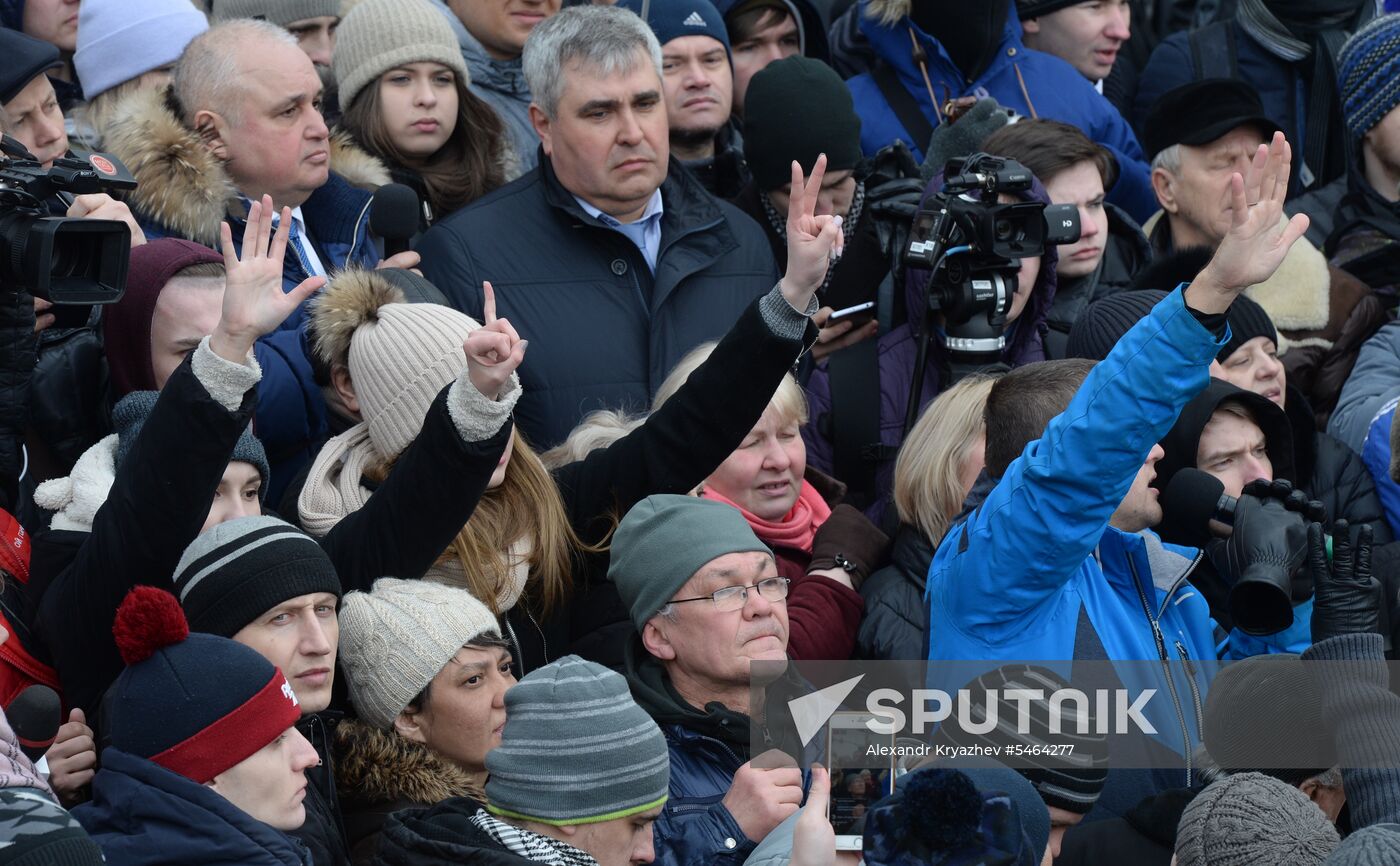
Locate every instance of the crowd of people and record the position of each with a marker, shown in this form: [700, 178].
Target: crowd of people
[477, 390]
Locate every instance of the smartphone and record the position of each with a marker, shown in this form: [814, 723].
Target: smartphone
[859, 314]
[862, 774]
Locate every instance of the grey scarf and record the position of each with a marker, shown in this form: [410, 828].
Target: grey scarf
[848, 225]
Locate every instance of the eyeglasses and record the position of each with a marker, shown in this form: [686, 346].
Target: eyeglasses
[735, 597]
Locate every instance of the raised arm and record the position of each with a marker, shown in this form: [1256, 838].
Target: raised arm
[164, 486]
[693, 432]
[1051, 507]
[439, 479]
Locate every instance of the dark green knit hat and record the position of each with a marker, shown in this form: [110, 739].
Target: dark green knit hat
[664, 540]
[798, 108]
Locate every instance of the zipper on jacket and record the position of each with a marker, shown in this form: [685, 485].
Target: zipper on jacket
[355, 235]
[543, 642]
[519, 660]
[1191, 684]
[1166, 665]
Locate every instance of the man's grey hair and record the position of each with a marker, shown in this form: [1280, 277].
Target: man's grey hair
[603, 39]
[206, 77]
[1169, 160]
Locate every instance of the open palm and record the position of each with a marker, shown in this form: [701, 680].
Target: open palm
[1259, 237]
[254, 303]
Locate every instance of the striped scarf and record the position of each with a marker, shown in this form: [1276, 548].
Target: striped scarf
[848, 225]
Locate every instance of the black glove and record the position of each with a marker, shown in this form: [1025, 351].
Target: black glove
[1348, 599]
[850, 542]
[1268, 543]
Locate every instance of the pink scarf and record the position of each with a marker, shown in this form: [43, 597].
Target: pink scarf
[16, 770]
[796, 529]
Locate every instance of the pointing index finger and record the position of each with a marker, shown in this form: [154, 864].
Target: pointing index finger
[489, 304]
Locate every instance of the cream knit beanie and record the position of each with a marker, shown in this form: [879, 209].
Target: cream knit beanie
[395, 639]
[378, 35]
[400, 355]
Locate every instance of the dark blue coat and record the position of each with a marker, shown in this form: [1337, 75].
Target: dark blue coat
[142, 814]
[1032, 83]
[603, 330]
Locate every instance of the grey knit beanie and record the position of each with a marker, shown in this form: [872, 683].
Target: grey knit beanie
[378, 35]
[395, 639]
[576, 749]
[664, 540]
[280, 12]
[131, 412]
[1377, 845]
[1252, 818]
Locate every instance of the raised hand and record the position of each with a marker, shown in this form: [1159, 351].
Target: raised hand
[1258, 238]
[72, 759]
[254, 303]
[812, 241]
[494, 350]
[1348, 600]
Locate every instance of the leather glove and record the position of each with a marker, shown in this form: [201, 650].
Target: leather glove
[1267, 545]
[1349, 599]
[850, 542]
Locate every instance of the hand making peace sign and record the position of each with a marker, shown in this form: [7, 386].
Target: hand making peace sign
[811, 239]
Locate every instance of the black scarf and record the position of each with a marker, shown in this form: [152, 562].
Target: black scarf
[1294, 30]
[969, 31]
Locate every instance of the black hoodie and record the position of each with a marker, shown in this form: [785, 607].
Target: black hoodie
[971, 33]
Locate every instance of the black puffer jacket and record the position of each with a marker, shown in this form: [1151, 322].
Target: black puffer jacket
[896, 616]
[18, 354]
[1125, 254]
[442, 835]
[1335, 475]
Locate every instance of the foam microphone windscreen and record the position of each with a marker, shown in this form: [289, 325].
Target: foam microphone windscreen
[35, 715]
[393, 216]
[1188, 505]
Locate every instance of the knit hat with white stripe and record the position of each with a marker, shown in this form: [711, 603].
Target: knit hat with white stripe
[1071, 782]
[240, 569]
[576, 749]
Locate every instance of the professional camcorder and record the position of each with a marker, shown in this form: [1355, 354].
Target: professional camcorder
[65, 260]
[971, 245]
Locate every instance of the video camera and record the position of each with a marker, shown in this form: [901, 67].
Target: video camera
[65, 260]
[971, 245]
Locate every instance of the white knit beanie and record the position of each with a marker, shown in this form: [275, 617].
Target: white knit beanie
[395, 639]
[379, 35]
[119, 40]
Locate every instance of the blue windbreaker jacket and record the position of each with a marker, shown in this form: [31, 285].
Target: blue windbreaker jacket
[1037, 564]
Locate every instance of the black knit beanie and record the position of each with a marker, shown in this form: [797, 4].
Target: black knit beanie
[1036, 8]
[240, 569]
[131, 412]
[798, 108]
[1099, 328]
[1247, 320]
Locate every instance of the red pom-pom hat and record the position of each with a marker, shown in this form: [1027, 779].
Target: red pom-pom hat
[195, 704]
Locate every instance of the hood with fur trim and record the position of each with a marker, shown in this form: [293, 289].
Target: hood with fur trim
[375, 767]
[181, 185]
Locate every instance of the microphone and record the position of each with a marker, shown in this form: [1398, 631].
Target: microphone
[393, 216]
[35, 715]
[1191, 501]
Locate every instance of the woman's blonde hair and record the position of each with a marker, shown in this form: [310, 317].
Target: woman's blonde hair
[789, 399]
[527, 504]
[597, 430]
[928, 490]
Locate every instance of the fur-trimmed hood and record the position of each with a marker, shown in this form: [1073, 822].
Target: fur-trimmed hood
[374, 766]
[181, 185]
[888, 12]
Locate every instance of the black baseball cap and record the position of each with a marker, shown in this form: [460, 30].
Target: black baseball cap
[1202, 111]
